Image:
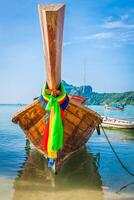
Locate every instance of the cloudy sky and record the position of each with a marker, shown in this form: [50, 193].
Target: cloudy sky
[98, 47]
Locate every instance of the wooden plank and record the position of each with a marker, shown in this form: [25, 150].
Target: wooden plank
[76, 110]
[72, 118]
[51, 22]
[91, 112]
[68, 127]
[36, 105]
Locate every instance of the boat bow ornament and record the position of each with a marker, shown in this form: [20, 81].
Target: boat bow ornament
[53, 134]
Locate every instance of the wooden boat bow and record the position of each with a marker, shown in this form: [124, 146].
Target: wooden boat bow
[79, 122]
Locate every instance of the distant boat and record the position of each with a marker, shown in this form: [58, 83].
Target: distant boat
[114, 107]
[116, 123]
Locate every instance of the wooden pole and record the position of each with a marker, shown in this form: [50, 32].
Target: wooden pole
[51, 22]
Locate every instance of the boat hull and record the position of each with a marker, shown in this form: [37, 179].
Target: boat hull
[109, 108]
[117, 123]
[116, 126]
[79, 123]
[114, 107]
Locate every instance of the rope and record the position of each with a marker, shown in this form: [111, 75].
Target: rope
[125, 186]
[98, 159]
[121, 163]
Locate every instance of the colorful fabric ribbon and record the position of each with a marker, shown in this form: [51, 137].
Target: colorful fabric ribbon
[53, 135]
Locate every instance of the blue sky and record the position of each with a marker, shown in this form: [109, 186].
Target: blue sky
[98, 39]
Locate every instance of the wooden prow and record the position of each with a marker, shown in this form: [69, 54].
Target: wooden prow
[79, 122]
[51, 22]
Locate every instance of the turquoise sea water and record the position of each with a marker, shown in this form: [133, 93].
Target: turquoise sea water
[94, 173]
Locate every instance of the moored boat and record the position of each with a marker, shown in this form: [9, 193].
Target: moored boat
[37, 119]
[117, 123]
[114, 107]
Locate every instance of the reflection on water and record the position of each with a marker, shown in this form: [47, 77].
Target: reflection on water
[78, 179]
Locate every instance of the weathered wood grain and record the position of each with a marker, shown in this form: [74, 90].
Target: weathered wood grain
[51, 22]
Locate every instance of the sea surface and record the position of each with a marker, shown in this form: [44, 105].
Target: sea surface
[92, 174]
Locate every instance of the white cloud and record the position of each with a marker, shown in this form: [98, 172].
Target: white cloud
[68, 43]
[99, 36]
[109, 18]
[102, 46]
[116, 31]
[129, 34]
[122, 26]
[96, 36]
[125, 16]
[117, 25]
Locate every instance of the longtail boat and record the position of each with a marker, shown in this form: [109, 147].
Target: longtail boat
[114, 107]
[77, 121]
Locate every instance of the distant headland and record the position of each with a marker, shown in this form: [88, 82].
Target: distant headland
[94, 98]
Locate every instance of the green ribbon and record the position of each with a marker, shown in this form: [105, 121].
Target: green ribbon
[57, 129]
